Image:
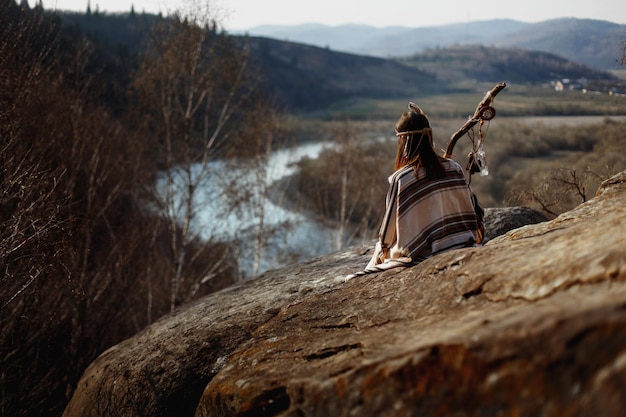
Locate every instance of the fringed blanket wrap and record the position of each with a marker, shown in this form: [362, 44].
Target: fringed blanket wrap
[425, 216]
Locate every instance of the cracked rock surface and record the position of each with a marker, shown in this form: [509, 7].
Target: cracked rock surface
[531, 324]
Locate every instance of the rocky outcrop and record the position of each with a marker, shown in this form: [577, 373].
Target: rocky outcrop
[533, 323]
[500, 220]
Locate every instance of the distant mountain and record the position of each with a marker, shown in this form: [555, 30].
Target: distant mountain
[346, 38]
[416, 40]
[598, 44]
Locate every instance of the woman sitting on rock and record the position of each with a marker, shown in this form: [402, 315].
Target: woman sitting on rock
[430, 207]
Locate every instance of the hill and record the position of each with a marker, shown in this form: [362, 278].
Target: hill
[305, 77]
[299, 77]
[598, 44]
[514, 65]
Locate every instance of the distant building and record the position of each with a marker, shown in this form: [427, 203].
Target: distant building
[559, 86]
[567, 84]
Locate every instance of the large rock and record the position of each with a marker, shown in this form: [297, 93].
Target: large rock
[533, 323]
[500, 220]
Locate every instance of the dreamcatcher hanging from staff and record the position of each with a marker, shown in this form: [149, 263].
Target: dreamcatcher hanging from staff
[485, 112]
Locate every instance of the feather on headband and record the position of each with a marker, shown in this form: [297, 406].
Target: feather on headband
[416, 108]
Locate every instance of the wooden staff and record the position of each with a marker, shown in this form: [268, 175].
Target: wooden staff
[484, 111]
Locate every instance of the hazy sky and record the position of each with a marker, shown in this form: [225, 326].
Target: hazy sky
[244, 14]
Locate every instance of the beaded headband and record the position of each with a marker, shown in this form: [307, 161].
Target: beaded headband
[412, 132]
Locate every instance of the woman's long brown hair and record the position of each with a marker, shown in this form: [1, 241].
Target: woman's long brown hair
[419, 150]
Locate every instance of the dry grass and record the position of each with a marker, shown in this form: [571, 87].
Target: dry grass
[514, 101]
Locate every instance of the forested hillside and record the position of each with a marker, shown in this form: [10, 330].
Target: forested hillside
[96, 147]
[308, 78]
[484, 63]
[299, 77]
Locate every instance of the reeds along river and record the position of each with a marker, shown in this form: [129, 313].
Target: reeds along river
[289, 235]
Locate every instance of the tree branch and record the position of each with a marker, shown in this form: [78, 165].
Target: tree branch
[485, 103]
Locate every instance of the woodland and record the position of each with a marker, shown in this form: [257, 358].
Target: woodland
[110, 125]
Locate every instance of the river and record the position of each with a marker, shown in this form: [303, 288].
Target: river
[294, 236]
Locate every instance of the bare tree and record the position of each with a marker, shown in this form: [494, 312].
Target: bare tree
[71, 231]
[264, 239]
[198, 86]
[345, 186]
[349, 153]
[559, 190]
[78, 249]
[259, 186]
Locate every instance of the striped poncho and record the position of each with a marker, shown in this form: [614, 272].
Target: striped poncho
[425, 216]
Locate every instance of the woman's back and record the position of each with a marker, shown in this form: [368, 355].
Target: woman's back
[433, 214]
[429, 207]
